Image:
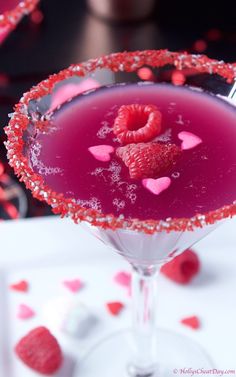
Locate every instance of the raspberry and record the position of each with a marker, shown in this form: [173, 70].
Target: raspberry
[148, 160]
[137, 123]
[182, 268]
[40, 351]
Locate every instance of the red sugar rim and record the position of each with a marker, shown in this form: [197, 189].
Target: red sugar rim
[12, 17]
[126, 61]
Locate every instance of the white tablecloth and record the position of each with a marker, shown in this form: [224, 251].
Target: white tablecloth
[48, 250]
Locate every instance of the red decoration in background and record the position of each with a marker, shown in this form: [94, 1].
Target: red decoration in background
[192, 322]
[200, 45]
[145, 74]
[1, 170]
[21, 286]
[4, 80]
[214, 35]
[37, 16]
[115, 307]
[7, 195]
[178, 78]
[182, 268]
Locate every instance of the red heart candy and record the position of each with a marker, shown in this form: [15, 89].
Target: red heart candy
[192, 322]
[114, 307]
[22, 286]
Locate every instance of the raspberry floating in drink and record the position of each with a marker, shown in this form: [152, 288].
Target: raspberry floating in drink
[148, 160]
[137, 123]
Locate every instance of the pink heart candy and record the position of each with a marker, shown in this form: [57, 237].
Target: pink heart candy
[71, 90]
[25, 312]
[156, 186]
[123, 278]
[189, 140]
[73, 285]
[101, 152]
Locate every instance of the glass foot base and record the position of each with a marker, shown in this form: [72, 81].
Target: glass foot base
[175, 355]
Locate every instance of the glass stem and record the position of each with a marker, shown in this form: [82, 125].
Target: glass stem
[144, 284]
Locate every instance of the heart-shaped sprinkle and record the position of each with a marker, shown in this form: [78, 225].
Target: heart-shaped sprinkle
[192, 322]
[123, 278]
[115, 307]
[25, 312]
[101, 152]
[22, 286]
[156, 186]
[73, 285]
[189, 140]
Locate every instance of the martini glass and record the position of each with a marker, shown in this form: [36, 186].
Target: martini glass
[11, 13]
[146, 244]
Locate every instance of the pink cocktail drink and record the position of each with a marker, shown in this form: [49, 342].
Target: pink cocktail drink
[202, 179]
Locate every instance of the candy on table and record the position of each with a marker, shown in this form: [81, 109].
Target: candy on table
[114, 307]
[73, 285]
[123, 278]
[78, 320]
[70, 316]
[25, 312]
[40, 351]
[192, 322]
[21, 286]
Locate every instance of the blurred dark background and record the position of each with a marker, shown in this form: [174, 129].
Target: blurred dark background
[59, 33]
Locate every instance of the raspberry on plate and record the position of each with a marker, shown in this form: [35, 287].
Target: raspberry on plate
[148, 160]
[137, 123]
[40, 351]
